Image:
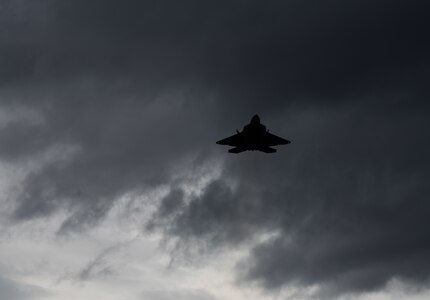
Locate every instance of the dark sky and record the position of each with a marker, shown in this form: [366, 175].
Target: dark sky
[132, 95]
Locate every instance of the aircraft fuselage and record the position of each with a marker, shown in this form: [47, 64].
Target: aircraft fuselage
[254, 136]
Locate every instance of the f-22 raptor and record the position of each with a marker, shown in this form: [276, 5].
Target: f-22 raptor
[254, 136]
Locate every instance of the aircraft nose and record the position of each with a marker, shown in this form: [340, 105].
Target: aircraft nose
[255, 119]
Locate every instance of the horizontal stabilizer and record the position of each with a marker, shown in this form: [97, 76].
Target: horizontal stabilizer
[267, 150]
[236, 150]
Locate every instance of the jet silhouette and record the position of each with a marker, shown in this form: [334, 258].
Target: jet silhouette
[254, 136]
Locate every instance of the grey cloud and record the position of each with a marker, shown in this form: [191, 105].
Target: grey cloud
[169, 205]
[141, 87]
[12, 290]
[216, 216]
[124, 146]
[177, 294]
[282, 51]
[98, 266]
[101, 265]
[347, 200]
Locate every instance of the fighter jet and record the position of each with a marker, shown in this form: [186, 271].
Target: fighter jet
[254, 136]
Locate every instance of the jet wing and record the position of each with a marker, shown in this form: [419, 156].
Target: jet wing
[234, 140]
[274, 140]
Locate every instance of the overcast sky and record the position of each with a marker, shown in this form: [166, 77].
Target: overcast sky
[112, 186]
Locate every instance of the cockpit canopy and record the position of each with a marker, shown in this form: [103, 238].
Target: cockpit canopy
[255, 120]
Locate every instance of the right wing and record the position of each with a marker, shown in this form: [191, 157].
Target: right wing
[274, 140]
[234, 140]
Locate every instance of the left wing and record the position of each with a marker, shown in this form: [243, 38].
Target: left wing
[234, 140]
[274, 140]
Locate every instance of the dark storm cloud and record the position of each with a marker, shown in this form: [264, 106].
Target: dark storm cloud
[249, 51]
[349, 199]
[139, 87]
[123, 146]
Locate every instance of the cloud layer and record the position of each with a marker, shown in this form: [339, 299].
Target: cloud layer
[132, 96]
